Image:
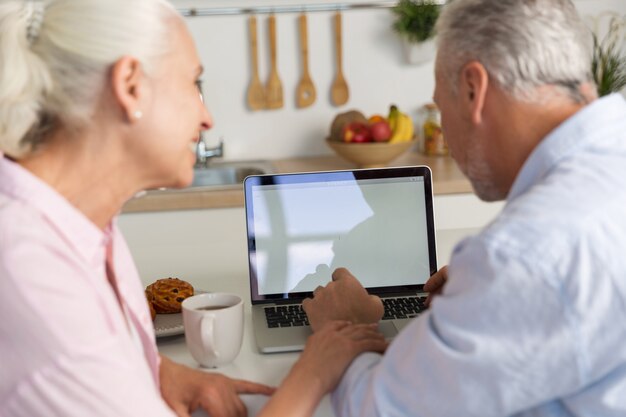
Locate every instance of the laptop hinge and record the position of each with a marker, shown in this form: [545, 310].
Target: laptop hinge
[278, 301]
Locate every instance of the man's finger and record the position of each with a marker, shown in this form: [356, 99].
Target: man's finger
[376, 300]
[429, 299]
[307, 303]
[379, 305]
[317, 290]
[437, 280]
[433, 282]
[340, 273]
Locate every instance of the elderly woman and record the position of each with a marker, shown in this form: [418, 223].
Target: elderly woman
[99, 100]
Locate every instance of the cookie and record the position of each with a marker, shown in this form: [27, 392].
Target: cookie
[167, 294]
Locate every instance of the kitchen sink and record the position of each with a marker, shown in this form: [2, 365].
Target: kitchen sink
[221, 175]
[225, 175]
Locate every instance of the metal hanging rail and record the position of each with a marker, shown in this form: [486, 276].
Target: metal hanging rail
[296, 8]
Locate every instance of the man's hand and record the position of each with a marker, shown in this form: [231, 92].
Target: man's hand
[435, 284]
[329, 351]
[342, 299]
[326, 356]
[185, 390]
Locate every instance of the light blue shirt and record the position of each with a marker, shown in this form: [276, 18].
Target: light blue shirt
[532, 321]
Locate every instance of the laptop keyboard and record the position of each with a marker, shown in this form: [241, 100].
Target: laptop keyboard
[294, 315]
[403, 307]
[286, 316]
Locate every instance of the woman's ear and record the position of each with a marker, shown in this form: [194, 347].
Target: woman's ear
[473, 89]
[127, 80]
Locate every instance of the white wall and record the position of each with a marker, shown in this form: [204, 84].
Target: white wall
[374, 66]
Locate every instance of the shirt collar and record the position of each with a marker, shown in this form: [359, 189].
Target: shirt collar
[82, 234]
[573, 134]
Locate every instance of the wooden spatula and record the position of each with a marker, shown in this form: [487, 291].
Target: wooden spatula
[256, 92]
[305, 92]
[274, 88]
[339, 92]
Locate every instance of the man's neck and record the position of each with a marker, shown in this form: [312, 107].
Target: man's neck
[519, 128]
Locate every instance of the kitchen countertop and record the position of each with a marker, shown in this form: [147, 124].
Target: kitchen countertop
[447, 179]
[250, 364]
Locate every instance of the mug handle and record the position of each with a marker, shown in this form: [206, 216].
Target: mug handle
[206, 332]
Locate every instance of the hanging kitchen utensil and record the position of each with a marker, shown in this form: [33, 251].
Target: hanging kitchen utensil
[274, 88]
[305, 92]
[256, 92]
[339, 91]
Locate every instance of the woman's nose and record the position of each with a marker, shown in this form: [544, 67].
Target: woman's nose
[207, 120]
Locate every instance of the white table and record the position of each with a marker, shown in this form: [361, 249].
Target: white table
[269, 368]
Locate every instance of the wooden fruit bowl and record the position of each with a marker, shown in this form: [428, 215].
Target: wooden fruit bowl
[370, 154]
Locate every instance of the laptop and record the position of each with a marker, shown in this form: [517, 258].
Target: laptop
[378, 223]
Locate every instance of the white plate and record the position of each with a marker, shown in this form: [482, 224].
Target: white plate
[170, 324]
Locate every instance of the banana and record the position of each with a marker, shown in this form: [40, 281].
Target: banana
[409, 130]
[401, 125]
[399, 133]
[392, 119]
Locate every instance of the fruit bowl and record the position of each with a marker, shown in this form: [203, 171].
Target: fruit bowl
[370, 154]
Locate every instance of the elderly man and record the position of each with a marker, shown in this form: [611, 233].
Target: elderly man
[531, 320]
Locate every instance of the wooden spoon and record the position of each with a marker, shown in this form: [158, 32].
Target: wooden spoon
[339, 91]
[256, 92]
[274, 88]
[305, 92]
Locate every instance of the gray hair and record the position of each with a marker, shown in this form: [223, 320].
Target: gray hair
[523, 44]
[55, 56]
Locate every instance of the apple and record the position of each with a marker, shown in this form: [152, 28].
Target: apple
[381, 132]
[356, 132]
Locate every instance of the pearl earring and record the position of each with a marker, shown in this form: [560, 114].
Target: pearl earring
[137, 114]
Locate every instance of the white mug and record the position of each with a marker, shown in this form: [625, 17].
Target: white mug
[213, 327]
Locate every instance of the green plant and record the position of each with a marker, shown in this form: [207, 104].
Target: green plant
[608, 65]
[416, 19]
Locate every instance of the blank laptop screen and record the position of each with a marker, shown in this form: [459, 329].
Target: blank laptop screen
[304, 226]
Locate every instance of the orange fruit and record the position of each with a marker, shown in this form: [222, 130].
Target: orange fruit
[376, 118]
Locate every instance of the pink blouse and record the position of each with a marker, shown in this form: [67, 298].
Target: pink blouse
[65, 346]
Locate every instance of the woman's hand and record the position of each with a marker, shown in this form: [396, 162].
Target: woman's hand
[435, 284]
[325, 358]
[186, 389]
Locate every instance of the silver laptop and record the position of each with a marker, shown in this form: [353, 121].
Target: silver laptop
[378, 223]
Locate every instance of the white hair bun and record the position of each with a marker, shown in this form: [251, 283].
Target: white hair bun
[54, 58]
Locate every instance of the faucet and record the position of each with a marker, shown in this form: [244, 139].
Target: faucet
[203, 153]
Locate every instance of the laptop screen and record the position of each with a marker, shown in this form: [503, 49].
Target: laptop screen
[377, 223]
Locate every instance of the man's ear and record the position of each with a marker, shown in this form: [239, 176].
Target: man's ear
[473, 89]
[127, 80]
